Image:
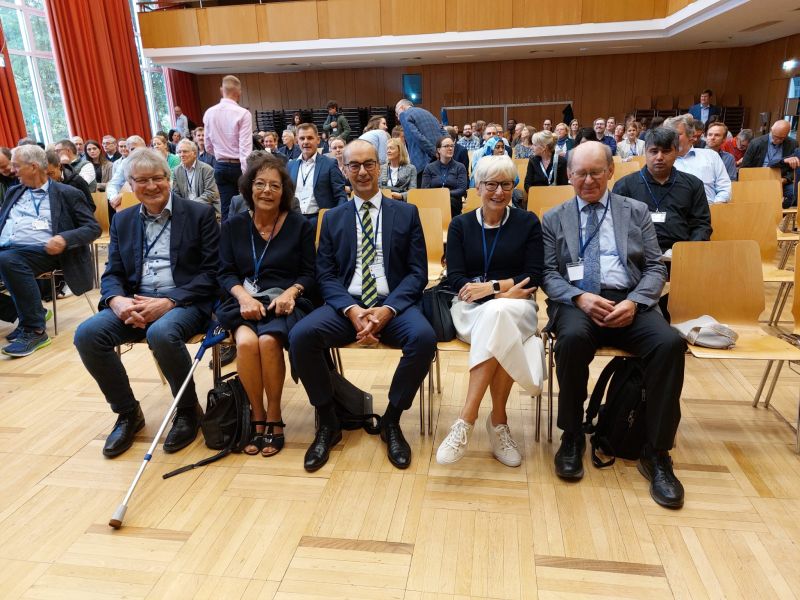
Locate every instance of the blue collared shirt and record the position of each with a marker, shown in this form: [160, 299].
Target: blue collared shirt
[18, 229]
[156, 267]
[704, 110]
[613, 274]
[774, 153]
[707, 166]
[472, 142]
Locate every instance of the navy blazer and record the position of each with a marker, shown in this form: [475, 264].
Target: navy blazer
[328, 181]
[71, 218]
[712, 110]
[404, 254]
[193, 245]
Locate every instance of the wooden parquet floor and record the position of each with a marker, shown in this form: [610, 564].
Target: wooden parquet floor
[254, 528]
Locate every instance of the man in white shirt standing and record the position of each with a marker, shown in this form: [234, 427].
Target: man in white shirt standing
[181, 122]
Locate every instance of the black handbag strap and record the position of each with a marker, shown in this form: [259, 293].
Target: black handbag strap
[598, 392]
[200, 463]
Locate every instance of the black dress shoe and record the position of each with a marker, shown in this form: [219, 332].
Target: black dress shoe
[569, 458]
[397, 447]
[121, 437]
[665, 488]
[319, 450]
[184, 428]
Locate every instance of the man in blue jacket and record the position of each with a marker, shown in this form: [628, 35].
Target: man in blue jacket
[421, 131]
[704, 110]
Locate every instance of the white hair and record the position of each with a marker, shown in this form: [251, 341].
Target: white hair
[30, 154]
[188, 142]
[147, 159]
[489, 166]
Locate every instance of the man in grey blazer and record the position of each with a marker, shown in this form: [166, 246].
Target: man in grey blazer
[194, 179]
[603, 277]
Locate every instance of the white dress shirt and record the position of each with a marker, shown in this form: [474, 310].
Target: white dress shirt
[304, 187]
[377, 226]
[613, 274]
[707, 166]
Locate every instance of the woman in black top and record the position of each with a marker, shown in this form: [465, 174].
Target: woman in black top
[267, 268]
[101, 164]
[448, 173]
[495, 259]
[546, 166]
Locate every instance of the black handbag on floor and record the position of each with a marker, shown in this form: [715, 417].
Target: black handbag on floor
[353, 406]
[436, 302]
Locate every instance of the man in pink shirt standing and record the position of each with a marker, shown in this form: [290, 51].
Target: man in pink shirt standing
[229, 137]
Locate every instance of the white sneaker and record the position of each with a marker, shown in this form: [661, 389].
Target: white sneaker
[455, 444]
[503, 445]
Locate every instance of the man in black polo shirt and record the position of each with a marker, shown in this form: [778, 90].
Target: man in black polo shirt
[677, 200]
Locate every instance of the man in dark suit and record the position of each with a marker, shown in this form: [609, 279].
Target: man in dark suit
[371, 269]
[159, 285]
[318, 182]
[44, 225]
[704, 110]
[194, 179]
[769, 151]
[603, 277]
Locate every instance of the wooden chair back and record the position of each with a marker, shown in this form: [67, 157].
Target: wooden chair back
[765, 191]
[433, 198]
[721, 279]
[641, 160]
[473, 200]
[745, 221]
[101, 212]
[128, 199]
[431, 220]
[319, 225]
[522, 171]
[543, 198]
[625, 168]
[759, 174]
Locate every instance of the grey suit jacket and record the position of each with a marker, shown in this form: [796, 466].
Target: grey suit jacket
[636, 243]
[203, 184]
[406, 179]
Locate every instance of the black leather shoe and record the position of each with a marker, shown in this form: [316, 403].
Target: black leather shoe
[319, 450]
[227, 355]
[397, 447]
[665, 488]
[121, 437]
[184, 428]
[569, 458]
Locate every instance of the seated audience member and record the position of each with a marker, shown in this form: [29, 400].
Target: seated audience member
[493, 146]
[77, 141]
[585, 134]
[289, 149]
[44, 225]
[511, 129]
[604, 136]
[371, 281]
[495, 312]
[468, 139]
[704, 110]
[460, 154]
[336, 125]
[174, 136]
[200, 140]
[769, 151]
[317, 179]
[738, 145]
[493, 130]
[398, 174]
[574, 126]
[524, 148]
[700, 162]
[257, 142]
[115, 187]
[238, 204]
[102, 166]
[631, 145]
[545, 167]
[716, 134]
[447, 173]
[68, 153]
[270, 139]
[193, 179]
[611, 126]
[122, 148]
[297, 119]
[619, 133]
[62, 173]
[397, 132]
[375, 134]
[159, 144]
[110, 148]
[336, 147]
[564, 143]
[547, 125]
[654, 122]
[154, 288]
[421, 132]
[697, 140]
[610, 301]
[8, 178]
[265, 295]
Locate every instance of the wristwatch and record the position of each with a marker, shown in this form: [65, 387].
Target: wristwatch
[496, 286]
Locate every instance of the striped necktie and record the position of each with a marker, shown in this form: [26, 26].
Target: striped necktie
[369, 289]
[591, 255]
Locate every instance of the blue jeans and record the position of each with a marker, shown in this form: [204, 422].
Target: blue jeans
[97, 337]
[227, 177]
[19, 267]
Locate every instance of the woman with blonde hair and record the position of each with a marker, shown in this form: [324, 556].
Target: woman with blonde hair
[545, 167]
[397, 173]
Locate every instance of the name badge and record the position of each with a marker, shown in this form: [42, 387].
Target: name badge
[377, 270]
[250, 286]
[658, 217]
[575, 270]
[40, 224]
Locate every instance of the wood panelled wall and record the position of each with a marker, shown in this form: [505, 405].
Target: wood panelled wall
[597, 85]
[326, 19]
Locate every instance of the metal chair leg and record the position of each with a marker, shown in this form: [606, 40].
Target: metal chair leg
[786, 293]
[430, 402]
[89, 302]
[55, 299]
[538, 416]
[772, 384]
[761, 384]
[337, 359]
[774, 316]
[550, 365]
[438, 372]
[422, 409]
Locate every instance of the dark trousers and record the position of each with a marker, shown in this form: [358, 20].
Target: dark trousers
[312, 338]
[312, 220]
[227, 177]
[19, 267]
[97, 337]
[648, 337]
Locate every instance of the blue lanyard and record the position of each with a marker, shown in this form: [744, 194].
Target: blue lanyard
[445, 174]
[375, 230]
[189, 179]
[487, 258]
[553, 168]
[673, 177]
[257, 262]
[583, 245]
[36, 207]
[147, 248]
[308, 173]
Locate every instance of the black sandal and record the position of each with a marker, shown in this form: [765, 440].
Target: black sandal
[257, 439]
[273, 440]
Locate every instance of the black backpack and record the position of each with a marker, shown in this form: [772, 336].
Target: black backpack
[226, 423]
[353, 406]
[620, 427]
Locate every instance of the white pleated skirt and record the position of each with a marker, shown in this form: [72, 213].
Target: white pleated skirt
[504, 329]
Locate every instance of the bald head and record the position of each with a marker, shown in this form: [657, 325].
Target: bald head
[779, 131]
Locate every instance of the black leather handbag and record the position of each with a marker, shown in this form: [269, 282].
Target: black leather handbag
[436, 302]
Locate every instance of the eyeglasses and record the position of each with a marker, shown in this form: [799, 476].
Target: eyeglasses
[581, 175]
[447, 146]
[491, 186]
[157, 180]
[355, 167]
[260, 186]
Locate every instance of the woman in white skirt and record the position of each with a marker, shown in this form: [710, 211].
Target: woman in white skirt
[495, 259]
